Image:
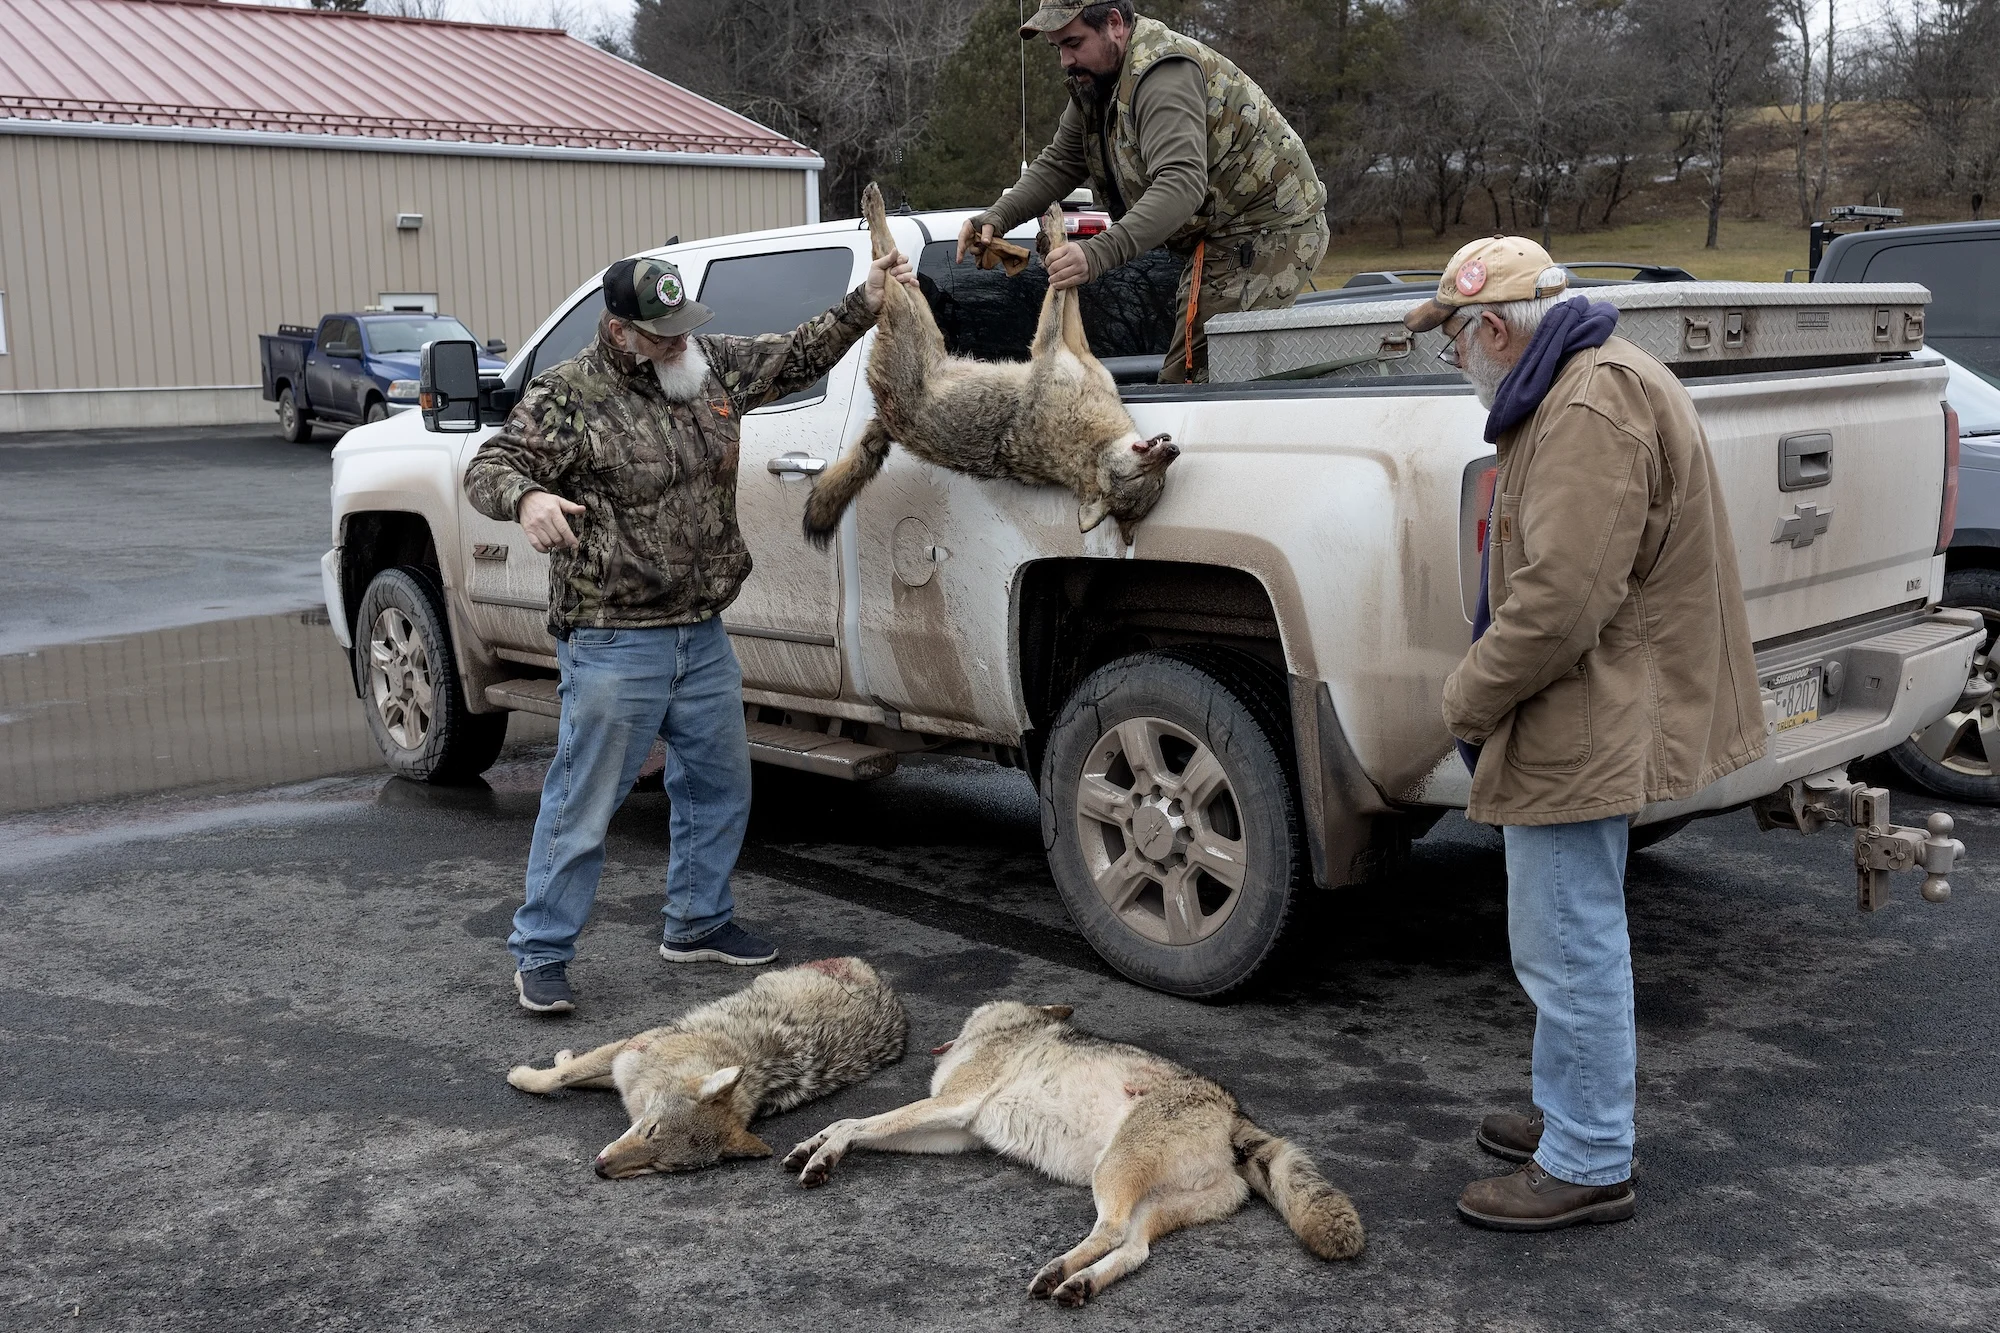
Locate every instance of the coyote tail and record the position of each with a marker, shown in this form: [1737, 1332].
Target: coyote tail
[834, 489]
[1317, 1213]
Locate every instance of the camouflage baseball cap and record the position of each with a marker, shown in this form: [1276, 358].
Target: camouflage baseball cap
[649, 294]
[1050, 17]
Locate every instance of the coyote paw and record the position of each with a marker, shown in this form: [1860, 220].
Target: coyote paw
[1046, 1281]
[797, 1158]
[528, 1078]
[565, 1056]
[818, 1169]
[1073, 1292]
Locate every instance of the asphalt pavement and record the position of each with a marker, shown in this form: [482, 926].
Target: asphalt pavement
[260, 1024]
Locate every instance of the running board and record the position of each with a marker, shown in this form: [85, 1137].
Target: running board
[532, 695]
[787, 747]
[817, 752]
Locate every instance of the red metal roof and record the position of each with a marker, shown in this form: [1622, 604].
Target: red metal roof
[304, 71]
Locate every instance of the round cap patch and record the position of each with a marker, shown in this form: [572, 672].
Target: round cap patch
[1471, 278]
[668, 289]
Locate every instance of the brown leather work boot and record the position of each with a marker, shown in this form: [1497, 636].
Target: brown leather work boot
[1510, 1137]
[1533, 1200]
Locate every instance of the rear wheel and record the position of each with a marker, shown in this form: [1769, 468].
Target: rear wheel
[293, 423]
[1959, 754]
[410, 687]
[1171, 815]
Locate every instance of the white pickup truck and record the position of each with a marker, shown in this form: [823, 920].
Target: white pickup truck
[1242, 704]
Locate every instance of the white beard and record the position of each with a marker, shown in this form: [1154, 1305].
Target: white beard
[680, 380]
[1480, 368]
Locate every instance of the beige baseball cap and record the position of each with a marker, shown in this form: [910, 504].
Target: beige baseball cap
[1049, 18]
[1499, 268]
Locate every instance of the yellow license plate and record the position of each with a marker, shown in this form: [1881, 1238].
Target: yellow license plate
[1796, 694]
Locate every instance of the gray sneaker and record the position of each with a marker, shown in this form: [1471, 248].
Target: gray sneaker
[545, 989]
[727, 943]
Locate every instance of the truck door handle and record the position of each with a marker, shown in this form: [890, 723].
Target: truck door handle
[796, 465]
[1805, 461]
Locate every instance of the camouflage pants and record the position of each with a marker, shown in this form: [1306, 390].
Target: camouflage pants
[1266, 271]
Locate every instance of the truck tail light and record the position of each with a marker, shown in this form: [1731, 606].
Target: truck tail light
[1491, 477]
[1948, 510]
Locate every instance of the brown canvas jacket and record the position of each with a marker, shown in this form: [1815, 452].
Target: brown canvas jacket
[658, 541]
[1618, 669]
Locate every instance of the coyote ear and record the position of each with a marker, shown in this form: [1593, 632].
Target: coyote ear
[1092, 512]
[721, 1081]
[742, 1143]
[1057, 1011]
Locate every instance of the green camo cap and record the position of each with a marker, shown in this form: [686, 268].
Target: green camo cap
[1051, 17]
[649, 294]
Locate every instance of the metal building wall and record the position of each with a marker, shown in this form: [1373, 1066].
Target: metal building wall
[143, 264]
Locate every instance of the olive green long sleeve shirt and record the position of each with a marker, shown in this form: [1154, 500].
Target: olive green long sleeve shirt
[1171, 108]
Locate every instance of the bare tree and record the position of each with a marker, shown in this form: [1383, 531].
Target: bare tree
[413, 9]
[1938, 62]
[1810, 58]
[1720, 55]
[853, 79]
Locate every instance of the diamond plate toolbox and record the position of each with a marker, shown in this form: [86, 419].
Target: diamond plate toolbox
[1696, 327]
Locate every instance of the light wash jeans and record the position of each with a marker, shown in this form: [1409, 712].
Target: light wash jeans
[621, 688]
[1566, 922]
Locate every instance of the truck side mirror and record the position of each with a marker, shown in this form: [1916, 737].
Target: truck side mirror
[494, 347]
[448, 385]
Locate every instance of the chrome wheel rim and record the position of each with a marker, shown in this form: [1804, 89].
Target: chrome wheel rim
[399, 678]
[288, 413]
[1161, 831]
[1968, 742]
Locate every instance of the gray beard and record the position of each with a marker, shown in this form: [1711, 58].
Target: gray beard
[1481, 370]
[682, 380]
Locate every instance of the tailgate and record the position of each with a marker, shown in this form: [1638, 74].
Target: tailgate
[1833, 480]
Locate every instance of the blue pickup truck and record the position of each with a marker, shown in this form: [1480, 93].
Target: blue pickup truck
[353, 368]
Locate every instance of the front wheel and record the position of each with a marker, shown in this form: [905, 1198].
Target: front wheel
[374, 412]
[410, 687]
[1958, 756]
[1171, 817]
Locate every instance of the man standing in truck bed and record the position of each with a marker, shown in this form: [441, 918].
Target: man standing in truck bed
[1185, 151]
[636, 441]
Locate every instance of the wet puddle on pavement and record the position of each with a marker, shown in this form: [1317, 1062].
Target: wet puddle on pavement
[227, 705]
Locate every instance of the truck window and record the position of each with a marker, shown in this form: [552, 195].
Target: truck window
[572, 333]
[986, 314]
[1964, 280]
[775, 293]
[339, 331]
[387, 337]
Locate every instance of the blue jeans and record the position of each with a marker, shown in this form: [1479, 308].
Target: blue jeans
[1566, 922]
[621, 688]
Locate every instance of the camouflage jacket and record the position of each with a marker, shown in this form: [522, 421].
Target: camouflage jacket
[658, 541]
[1259, 175]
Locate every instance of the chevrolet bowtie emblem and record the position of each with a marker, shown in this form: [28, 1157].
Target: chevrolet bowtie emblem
[1807, 521]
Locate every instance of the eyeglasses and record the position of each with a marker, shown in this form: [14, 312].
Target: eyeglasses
[1451, 328]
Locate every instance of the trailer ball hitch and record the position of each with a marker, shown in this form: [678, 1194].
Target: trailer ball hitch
[1880, 847]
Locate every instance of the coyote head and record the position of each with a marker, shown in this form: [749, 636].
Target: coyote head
[691, 1124]
[1004, 1017]
[1131, 475]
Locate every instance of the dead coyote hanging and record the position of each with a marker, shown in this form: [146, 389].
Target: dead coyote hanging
[1054, 418]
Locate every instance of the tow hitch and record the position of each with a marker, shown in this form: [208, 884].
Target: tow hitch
[1810, 804]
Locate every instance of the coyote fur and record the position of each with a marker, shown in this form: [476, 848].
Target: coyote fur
[1161, 1147]
[1055, 418]
[693, 1086]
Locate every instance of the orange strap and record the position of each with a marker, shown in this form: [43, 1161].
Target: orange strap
[1194, 298]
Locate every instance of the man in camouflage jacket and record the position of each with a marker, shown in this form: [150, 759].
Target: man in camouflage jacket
[635, 442]
[1185, 151]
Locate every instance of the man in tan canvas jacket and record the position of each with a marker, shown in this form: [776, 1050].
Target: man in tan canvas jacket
[1616, 671]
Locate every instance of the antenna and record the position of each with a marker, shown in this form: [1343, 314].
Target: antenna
[1020, 9]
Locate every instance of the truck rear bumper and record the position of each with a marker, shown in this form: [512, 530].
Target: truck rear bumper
[1895, 681]
[1898, 676]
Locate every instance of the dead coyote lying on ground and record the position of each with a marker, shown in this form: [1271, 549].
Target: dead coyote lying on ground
[1055, 418]
[693, 1086]
[1161, 1147]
